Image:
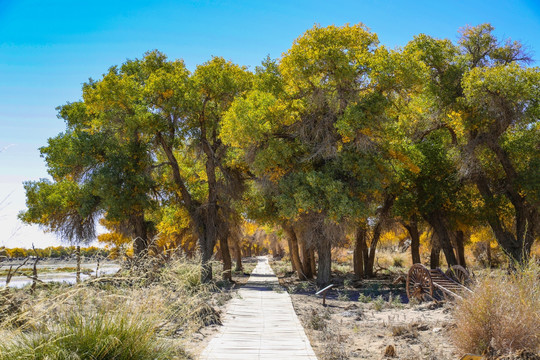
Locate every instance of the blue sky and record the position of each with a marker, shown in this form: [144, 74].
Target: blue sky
[49, 48]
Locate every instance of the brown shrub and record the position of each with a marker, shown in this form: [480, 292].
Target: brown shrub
[502, 315]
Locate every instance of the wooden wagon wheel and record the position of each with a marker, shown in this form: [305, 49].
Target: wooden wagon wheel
[459, 274]
[419, 283]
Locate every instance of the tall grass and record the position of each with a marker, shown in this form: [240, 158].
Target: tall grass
[99, 336]
[143, 313]
[502, 315]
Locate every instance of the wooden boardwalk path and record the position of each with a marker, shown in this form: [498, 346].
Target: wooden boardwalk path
[260, 324]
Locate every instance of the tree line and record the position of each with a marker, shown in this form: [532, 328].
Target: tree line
[52, 252]
[341, 135]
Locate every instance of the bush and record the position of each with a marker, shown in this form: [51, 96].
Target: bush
[502, 315]
[397, 261]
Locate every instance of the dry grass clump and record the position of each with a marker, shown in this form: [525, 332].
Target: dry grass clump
[142, 313]
[335, 344]
[99, 335]
[502, 316]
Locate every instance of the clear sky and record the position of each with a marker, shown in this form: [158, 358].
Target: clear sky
[49, 48]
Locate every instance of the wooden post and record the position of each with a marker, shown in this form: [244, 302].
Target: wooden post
[323, 292]
[78, 252]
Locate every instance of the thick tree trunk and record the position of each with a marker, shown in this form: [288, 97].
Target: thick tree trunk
[325, 262]
[238, 254]
[226, 258]
[359, 250]
[293, 251]
[207, 250]
[460, 248]
[312, 260]
[434, 259]
[436, 221]
[412, 228]
[140, 233]
[289, 243]
[306, 261]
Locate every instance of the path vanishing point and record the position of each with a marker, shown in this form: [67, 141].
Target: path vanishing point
[260, 323]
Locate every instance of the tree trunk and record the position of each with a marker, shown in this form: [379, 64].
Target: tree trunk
[238, 254]
[312, 261]
[412, 228]
[207, 243]
[377, 230]
[434, 259]
[211, 223]
[306, 261]
[140, 233]
[289, 243]
[460, 248]
[359, 250]
[325, 261]
[206, 256]
[293, 251]
[517, 247]
[226, 257]
[443, 236]
[204, 226]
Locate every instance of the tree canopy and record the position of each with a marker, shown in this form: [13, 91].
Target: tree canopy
[339, 133]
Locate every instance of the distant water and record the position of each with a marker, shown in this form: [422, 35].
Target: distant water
[66, 277]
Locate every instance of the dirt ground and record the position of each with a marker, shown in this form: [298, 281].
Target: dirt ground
[347, 329]
[363, 319]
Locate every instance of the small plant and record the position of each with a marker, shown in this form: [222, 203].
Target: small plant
[348, 283]
[404, 331]
[343, 296]
[334, 341]
[397, 261]
[364, 298]
[395, 302]
[379, 303]
[414, 301]
[302, 286]
[316, 321]
[373, 287]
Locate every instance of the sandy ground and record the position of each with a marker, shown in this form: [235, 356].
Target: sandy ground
[356, 330]
[363, 318]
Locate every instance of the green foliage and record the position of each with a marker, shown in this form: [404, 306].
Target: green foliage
[325, 133]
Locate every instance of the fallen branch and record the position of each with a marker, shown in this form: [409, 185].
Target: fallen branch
[12, 272]
[379, 267]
